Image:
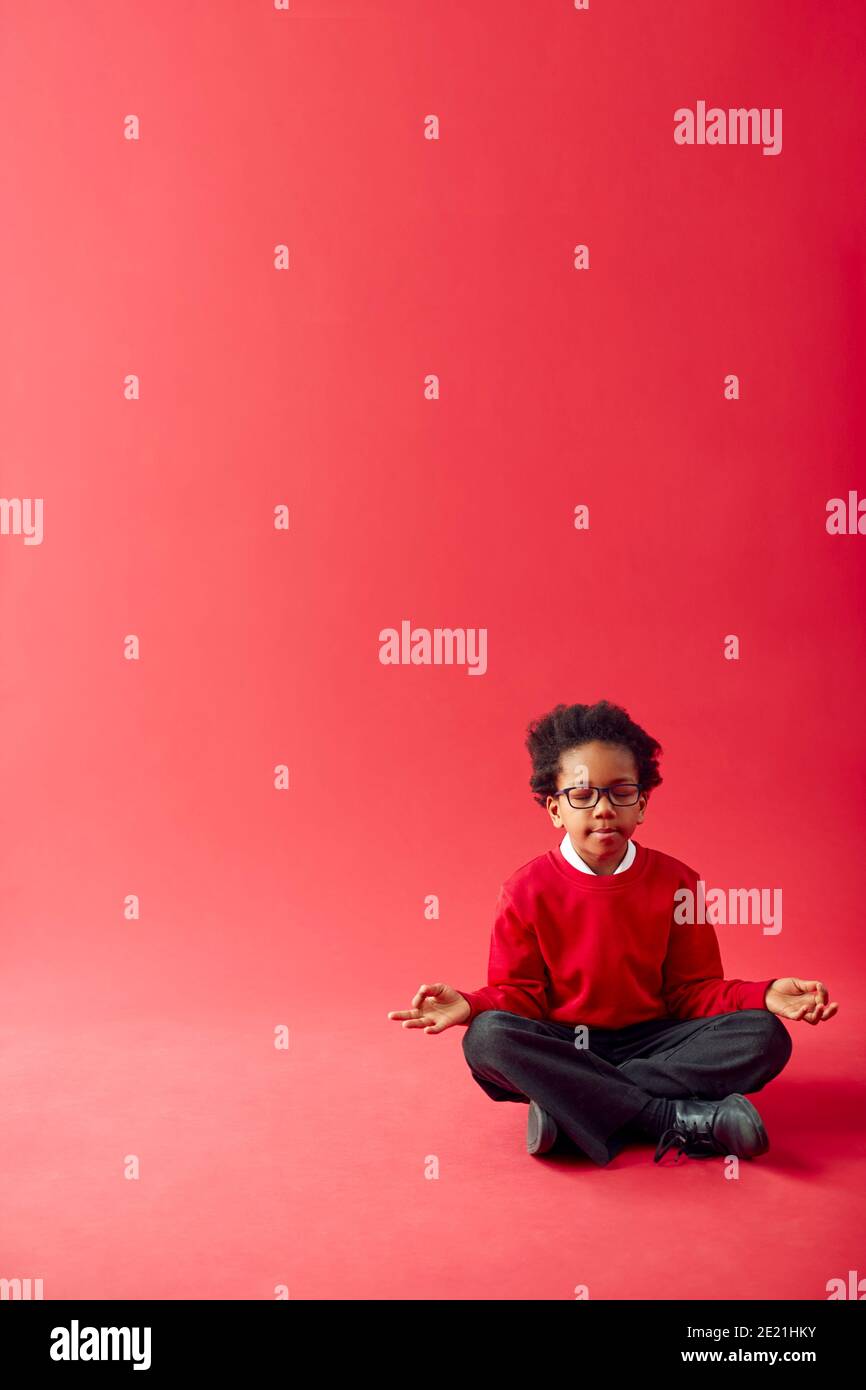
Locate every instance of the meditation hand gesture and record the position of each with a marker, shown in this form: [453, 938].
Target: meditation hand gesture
[434, 1008]
[800, 999]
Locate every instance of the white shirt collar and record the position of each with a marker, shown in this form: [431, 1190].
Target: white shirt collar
[571, 854]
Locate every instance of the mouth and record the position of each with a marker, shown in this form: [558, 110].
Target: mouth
[605, 832]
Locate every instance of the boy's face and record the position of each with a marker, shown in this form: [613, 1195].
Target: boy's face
[597, 765]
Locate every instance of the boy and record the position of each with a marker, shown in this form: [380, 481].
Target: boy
[603, 1013]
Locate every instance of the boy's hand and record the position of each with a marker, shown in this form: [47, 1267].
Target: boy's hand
[804, 1000]
[434, 1008]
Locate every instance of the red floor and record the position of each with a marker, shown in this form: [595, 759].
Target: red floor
[364, 1162]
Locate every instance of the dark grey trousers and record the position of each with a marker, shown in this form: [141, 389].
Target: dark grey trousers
[594, 1082]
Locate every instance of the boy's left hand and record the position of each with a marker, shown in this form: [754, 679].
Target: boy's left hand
[805, 1000]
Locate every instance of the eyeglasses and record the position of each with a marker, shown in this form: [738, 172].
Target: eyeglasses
[582, 798]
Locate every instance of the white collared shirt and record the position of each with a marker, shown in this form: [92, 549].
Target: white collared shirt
[571, 854]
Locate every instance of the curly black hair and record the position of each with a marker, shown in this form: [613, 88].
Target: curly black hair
[566, 726]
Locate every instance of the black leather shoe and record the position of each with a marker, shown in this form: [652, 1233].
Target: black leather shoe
[541, 1130]
[703, 1128]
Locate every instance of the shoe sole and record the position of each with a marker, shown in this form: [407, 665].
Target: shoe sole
[541, 1130]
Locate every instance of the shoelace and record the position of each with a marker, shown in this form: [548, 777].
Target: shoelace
[689, 1136]
[670, 1139]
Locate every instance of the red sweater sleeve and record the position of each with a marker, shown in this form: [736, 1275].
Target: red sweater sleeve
[516, 973]
[692, 983]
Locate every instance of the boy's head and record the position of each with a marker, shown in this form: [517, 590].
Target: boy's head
[576, 748]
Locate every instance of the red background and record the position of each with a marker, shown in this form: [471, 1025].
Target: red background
[259, 647]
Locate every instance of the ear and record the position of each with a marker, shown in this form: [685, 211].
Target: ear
[553, 811]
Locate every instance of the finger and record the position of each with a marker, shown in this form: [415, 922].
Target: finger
[425, 991]
[403, 1013]
[808, 986]
[414, 1023]
[814, 1016]
[830, 1011]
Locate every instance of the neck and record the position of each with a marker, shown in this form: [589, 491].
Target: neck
[603, 868]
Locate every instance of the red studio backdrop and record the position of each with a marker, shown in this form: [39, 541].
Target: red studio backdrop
[334, 318]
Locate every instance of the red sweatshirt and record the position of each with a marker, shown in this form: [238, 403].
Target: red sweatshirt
[604, 949]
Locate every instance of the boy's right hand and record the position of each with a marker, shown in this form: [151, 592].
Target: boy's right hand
[434, 1008]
